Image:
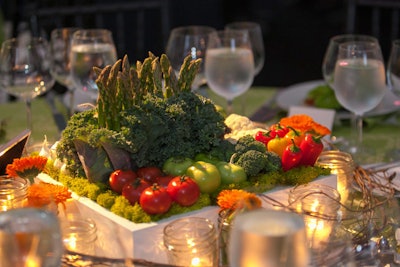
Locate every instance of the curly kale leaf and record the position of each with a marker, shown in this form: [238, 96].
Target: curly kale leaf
[182, 125]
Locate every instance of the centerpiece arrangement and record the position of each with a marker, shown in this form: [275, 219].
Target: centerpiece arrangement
[147, 117]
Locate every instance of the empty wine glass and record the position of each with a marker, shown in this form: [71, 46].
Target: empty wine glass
[332, 50]
[189, 40]
[256, 39]
[359, 83]
[60, 45]
[393, 80]
[25, 69]
[90, 48]
[229, 64]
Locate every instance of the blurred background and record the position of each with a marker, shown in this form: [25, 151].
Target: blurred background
[296, 32]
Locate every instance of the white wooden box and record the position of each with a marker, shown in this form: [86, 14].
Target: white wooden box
[121, 238]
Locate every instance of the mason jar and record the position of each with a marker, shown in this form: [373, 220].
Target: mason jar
[343, 166]
[79, 234]
[191, 241]
[13, 193]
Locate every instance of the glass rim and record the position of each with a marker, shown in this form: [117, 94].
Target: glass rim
[168, 229]
[92, 33]
[350, 36]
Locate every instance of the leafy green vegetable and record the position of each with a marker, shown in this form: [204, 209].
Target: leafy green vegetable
[151, 127]
[322, 96]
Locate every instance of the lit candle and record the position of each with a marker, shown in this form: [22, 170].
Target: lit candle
[319, 214]
[318, 229]
[32, 261]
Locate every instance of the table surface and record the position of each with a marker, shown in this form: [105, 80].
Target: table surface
[381, 133]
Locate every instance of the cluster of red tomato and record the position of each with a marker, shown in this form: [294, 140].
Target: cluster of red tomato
[154, 191]
[295, 147]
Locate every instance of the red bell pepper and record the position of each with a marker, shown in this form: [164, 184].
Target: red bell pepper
[279, 130]
[291, 157]
[265, 137]
[312, 147]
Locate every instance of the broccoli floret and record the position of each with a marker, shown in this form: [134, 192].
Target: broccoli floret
[248, 142]
[253, 162]
[274, 162]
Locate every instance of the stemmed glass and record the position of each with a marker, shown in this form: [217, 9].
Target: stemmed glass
[60, 46]
[393, 80]
[25, 70]
[256, 39]
[332, 50]
[189, 40]
[359, 82]
[90, 48]
[229, 64]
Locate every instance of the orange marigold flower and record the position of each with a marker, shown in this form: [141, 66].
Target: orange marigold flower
[26, 167]
[238, 199]
[320, 129]
[305, 123]
[42, 194]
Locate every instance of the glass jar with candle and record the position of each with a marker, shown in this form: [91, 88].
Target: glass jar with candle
[341, 164]
[191, 241]
[13, 193]
[79, 234]
[298, 193]
[30, 237]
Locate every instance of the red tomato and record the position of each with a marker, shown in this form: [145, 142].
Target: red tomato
[119, 178]
[149, 173]
[155, 200]
[132, 191]
[183, 190]
[163, 181]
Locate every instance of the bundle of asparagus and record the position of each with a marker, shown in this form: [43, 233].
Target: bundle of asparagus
[121, 85]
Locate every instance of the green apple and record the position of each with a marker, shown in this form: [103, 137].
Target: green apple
[231, 173]
[206, 176]
[176, 166]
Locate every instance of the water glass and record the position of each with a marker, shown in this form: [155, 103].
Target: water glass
[272, 238]
[30, 237]
[229, 64]
[13, 193]
[90, 48]
[256, 38]
[191, 241]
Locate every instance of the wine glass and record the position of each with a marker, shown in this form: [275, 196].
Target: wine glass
[90, 48]
[25, 70]
[229, 64]
[359, 83]
[60, 44]
[189, 40]
[331, 53]
[256, 39]
[393, 81]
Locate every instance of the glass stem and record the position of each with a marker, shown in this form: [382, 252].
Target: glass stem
[359, 129]
[229, 107]
[28, 104]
